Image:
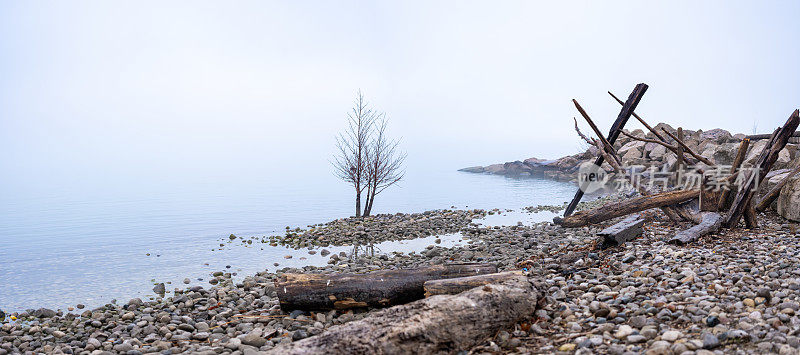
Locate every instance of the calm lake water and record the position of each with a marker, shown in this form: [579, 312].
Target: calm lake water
[89, 244]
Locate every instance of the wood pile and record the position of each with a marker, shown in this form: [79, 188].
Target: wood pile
[710, 206]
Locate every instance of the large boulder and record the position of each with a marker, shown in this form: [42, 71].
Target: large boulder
[657, 152]
[789, 200]
[717, 135]
[725, 153]
[787, 157]
[665, 126]
[772, 178]
[634, 146]
[755, 150]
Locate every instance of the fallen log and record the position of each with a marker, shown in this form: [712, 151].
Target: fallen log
[461, 284]
[626, 230]
[773, 194]
[710, 223]
[762, 167]
[375, 289]
[619, 209]
[613, 133]
[437, 324]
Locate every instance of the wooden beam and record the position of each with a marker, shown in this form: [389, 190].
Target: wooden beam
[750, 219]
[725, 198]
[711, 221]
[621, 232]
[767, 136]
[622, 119]
[619, 209]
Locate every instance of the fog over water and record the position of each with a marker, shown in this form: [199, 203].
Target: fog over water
[128, 128]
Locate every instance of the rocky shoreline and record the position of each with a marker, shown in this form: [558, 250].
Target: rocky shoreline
[718, 145]
[731, 293]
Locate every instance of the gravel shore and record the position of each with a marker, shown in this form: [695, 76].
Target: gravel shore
[736, 292]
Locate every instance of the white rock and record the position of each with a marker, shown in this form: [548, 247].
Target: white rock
[671, 335]
[623, 331]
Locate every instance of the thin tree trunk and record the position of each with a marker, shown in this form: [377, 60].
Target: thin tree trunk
[371, 200]
[367, 205]
[358, 202]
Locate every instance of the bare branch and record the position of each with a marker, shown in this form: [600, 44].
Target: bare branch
[699, 157]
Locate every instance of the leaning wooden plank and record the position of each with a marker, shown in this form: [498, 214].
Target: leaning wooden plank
[619, 209]
[725, 198]
[434, 325]
[750, 219]
[375, 289]
[762, 167]
[461, 284]
[622, 118]
[773, 194]
[626, 230]
[709, 196]
[710, 223]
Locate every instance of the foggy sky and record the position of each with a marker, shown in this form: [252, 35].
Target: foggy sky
[161, 90]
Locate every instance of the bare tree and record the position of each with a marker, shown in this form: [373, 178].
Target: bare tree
[366, 157]
[352, 159]
[385, 163]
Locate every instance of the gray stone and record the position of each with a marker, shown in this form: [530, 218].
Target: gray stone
[789, 200]
[44, 313]
[710, 341]
[254, 338]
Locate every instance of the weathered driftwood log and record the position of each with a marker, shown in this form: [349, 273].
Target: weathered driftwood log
[437, 324]
[626, 230]
[374, 289]
[726, 198]
[773, 194]
[622, 118]
[762, 167]
[619, 209]
[461, 284]
[710, 223]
